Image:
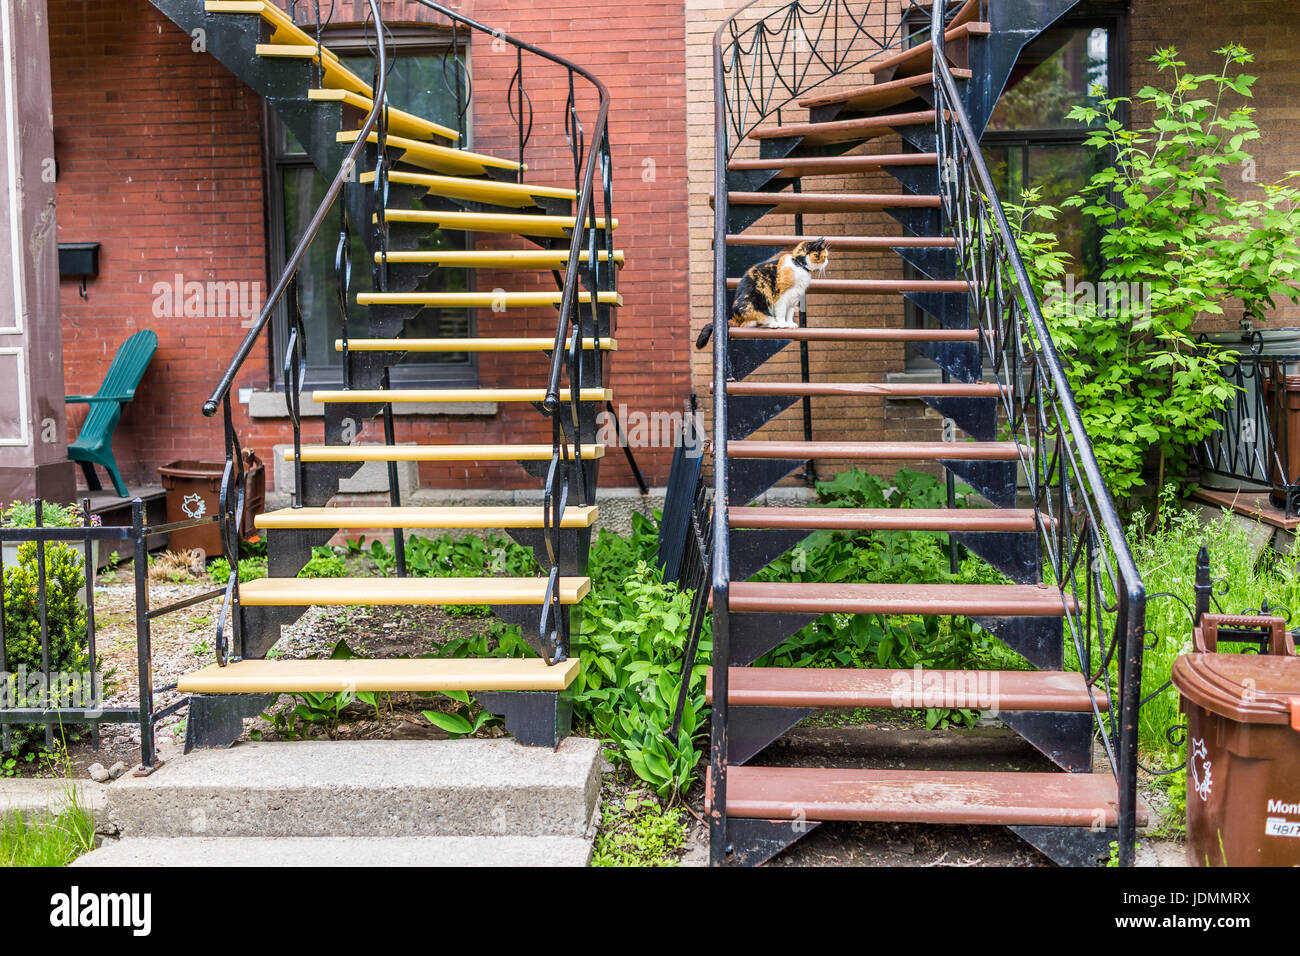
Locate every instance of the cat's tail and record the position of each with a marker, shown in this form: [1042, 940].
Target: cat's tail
[702, 339]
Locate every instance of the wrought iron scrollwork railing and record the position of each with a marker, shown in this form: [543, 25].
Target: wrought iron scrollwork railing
[576, 332]
[567, 476]
[1082, 540]
[774, 58]
[1257, 446]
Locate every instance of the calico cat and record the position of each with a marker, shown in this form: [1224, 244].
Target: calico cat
[770, 292]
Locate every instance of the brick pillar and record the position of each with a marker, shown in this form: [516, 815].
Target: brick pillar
[33, 428]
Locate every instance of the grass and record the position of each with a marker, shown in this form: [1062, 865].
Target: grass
[1166, 558]
[55, 839]
[639, 832]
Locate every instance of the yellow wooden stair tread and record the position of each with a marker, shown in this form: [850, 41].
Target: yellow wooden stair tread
[399, 121]
[435, 452]
[497, 259]
[442, 159]
[336, 74]
[477, 190]
[481, 300]
[500, 344]
[452, 395]
[302, 592]
[413, 675]
[522, 224]
[495, 516]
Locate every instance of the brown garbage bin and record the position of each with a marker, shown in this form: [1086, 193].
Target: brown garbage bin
[1243, 747]
[194, 491]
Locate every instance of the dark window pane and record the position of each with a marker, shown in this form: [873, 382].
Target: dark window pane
[1061, 69]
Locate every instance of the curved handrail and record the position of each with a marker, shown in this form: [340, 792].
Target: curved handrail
[291, 267]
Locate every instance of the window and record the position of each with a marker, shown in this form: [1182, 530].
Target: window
[296, 187]
[1030, 142]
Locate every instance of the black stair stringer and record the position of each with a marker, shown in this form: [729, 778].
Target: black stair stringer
[1064, 738]
[1012, 26]
[750, 477]
[995, 480]
[960, 359]
[746, 414]
[1039, 640]
[975, 416]
[752, 634]
[753, 549]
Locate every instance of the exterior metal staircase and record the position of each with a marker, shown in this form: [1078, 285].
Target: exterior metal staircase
[398, 177]
[927, 76]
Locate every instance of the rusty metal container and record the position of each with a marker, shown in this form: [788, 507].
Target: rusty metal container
[1243, 747]
[1282, 397]
[194, 491]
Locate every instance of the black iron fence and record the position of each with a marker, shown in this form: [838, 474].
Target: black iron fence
[1256, 448]
[52, 696]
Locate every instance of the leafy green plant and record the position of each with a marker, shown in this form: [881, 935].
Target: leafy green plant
[68, 655]
[250, 569]
[629, 642]
[465, 722]
[638, 832]
[1177, 244]
[324, 563]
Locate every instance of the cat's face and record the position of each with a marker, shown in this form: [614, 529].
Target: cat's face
[816, 251]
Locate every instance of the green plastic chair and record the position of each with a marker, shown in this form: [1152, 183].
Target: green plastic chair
[94, 446]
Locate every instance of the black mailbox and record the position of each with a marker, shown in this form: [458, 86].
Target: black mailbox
[79, 260]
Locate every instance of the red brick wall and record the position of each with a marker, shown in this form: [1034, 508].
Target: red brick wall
[159, 156]
[160, 161]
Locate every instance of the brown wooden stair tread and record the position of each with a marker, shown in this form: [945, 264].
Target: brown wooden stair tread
[791, 166]
[877, 450]
[885, 389]
[877, 95]
[923, 796]
[886, 519]
[869, 286]
[820, 687]
[920, 58]
[831, 202]
[970, 600]
[853, 243]
[845, 131]
[857, 335]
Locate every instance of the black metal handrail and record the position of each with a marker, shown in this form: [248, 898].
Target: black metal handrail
[1082, 537]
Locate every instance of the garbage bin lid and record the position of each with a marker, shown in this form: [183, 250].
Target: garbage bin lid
[1247, 688]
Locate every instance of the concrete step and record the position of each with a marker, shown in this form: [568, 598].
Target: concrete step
[343, 851]
[372, 789]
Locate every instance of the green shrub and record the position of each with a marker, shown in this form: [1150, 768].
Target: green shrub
[639, 833]
[324, 563]
[630, 641]
[65, 622]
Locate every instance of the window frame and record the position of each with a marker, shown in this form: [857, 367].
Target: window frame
[350, 40]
